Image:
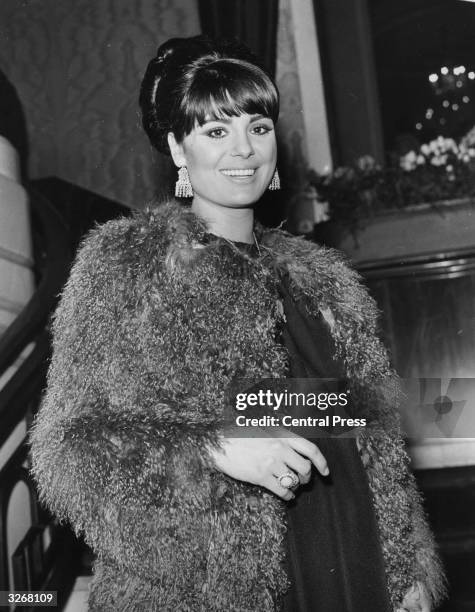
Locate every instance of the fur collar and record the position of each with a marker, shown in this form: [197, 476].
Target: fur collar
[314, 271]
[319, 278]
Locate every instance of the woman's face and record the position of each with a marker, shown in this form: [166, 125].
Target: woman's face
[230, 161]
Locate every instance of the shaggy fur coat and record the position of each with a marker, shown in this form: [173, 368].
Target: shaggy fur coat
[152, 326]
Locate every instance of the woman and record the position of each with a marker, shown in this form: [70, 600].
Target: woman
[160, 314]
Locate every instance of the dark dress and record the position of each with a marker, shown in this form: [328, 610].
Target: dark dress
[334, 558]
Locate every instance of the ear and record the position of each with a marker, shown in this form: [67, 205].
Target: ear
[176, 150]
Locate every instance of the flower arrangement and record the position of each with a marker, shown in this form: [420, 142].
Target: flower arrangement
[442, 169]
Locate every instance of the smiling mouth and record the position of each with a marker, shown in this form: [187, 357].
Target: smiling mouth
[243, 172]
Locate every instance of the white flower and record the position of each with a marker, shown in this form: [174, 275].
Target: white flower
[421, 160]
[407, 164]
[409, 161]
[425, 149]
[440, 160]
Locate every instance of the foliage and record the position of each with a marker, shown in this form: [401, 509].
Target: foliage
[439, 170]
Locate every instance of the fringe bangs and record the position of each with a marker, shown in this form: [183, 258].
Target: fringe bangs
[228, 88]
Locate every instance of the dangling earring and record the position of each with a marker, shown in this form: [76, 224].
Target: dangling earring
[275, 183]
[183, 188]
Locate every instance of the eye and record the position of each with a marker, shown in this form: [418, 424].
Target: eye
[261, 129]
[217, 132]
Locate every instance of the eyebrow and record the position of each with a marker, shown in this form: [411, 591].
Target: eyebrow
[228, 120]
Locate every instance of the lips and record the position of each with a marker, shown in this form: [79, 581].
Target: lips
[239, 172]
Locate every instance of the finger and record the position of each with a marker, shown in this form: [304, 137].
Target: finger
[425, 597]
[298, 464]
[281, 469]
[273, 485]
[416, 599]
[312, 452]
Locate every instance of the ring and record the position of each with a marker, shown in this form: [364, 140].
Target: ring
[288, 480]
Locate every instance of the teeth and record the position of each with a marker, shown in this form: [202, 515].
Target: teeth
[249, 172]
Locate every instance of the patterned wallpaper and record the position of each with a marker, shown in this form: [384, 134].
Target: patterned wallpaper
[77, 65]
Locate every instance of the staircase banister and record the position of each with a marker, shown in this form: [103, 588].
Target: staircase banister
[35, 313]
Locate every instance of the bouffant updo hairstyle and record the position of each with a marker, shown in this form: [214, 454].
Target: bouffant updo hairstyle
[193, 80]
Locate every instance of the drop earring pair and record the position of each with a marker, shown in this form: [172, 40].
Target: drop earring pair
[183, 188]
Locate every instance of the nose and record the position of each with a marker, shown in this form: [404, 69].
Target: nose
[242, 145]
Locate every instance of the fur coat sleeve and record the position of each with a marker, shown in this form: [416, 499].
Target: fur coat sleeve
[107, 442]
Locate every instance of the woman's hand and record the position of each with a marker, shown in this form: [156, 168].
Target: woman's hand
[416, 599]
[261, 460]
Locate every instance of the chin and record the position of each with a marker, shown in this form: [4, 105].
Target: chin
[242, 203]
[243, 199]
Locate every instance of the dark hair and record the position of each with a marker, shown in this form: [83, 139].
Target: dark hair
[193, 79]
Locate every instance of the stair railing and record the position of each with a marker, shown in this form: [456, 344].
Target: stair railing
[35, 565]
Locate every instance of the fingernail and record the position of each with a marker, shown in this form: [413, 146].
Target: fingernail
[326, 471]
